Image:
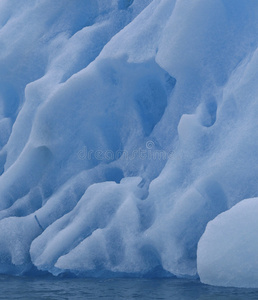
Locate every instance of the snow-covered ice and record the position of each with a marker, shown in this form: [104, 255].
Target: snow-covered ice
[126, 126]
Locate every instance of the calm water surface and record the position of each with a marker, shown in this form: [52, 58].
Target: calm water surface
[54, 288]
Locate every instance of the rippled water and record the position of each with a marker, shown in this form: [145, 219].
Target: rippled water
[56, 288]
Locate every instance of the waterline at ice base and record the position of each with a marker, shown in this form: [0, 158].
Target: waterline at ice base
[129, 139]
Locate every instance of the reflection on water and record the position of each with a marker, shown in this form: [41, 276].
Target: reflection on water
[56, 288]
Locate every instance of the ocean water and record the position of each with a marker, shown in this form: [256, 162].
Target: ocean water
[158, 289]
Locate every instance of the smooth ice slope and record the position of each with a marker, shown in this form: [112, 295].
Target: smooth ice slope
[228, 249]
[125, 127]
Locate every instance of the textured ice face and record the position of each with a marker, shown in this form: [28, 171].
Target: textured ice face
[125, 127]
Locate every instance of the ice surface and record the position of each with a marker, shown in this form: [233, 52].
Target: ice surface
[228, 250]
[125, 127]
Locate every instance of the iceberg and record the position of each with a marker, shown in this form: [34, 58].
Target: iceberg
[126, 126]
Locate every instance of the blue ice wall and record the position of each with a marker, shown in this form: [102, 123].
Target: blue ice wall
[125, 127]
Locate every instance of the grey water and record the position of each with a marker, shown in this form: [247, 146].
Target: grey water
[57, 288]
